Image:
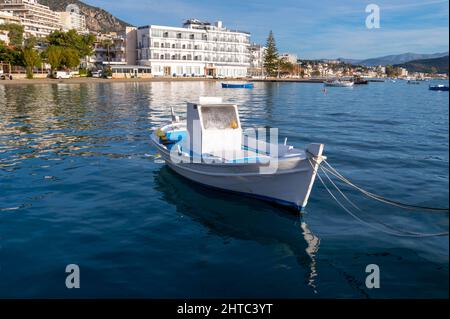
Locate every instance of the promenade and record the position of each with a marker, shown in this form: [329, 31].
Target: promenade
[80, 80]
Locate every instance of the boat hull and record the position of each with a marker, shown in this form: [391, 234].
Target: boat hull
[350, 84]
[289, 185]
[438, 88]
[291, 190]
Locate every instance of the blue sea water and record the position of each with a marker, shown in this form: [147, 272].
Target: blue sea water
[79, 184]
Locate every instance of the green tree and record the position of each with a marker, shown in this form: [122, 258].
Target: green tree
[31, 58]
[83, 44]
[86, 45]
[15, 33]
[54, 56]
[70, 58]
[315, 73]
[10, 55]
[271, 56]
[58, 38]
[392, 71]
[285, 67]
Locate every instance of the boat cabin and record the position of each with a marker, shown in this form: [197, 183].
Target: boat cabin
[213, 126]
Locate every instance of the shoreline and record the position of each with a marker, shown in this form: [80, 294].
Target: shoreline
[83, 80]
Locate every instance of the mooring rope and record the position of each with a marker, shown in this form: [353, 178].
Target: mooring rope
[395, 232]
[371, 217]
[379, 198]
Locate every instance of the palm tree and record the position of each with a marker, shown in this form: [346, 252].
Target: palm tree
[107, 43]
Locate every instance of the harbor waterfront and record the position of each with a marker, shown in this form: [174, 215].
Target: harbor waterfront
[80, 183]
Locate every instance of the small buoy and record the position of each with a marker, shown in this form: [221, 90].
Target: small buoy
[234, 125]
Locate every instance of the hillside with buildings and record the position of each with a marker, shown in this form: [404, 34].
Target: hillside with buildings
[393, 59]
[437, 65]
[97, 19]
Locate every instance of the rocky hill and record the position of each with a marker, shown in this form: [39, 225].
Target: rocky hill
[97, 19]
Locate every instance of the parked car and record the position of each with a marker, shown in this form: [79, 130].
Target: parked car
[62, 75]
[5, 76]
[97, 74]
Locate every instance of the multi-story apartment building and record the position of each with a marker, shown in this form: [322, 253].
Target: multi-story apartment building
[109, 48]
[198, 49]
[73, 20]
[6, 18]
[38, 20]
[257, 53]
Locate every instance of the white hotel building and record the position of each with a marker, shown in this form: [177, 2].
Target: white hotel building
[73, 20]
[196, 49]
[38, 20]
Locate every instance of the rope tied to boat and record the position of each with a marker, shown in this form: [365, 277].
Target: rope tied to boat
[388, 228]
[379, 198]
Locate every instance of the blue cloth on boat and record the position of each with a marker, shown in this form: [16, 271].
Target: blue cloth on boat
[176, 136]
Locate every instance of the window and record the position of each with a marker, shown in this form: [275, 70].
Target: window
[156, 33]
[162, 57]
[191, 36]
[178, 35]
[219, 117]
[165, 34]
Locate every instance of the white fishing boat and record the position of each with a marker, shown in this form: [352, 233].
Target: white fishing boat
[211, 148]
[338, 83]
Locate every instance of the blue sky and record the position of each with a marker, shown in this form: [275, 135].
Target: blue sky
[310, 29]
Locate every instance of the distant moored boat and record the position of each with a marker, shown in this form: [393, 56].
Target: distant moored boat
[360, 80]
[237, 85]
[338, 83]
[439, 87]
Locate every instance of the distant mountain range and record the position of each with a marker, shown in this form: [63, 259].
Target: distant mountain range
[436, 65]
[97, 19]
[394, 59]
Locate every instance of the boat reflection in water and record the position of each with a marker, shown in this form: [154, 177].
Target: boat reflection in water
[229, 215]
[313, 247]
